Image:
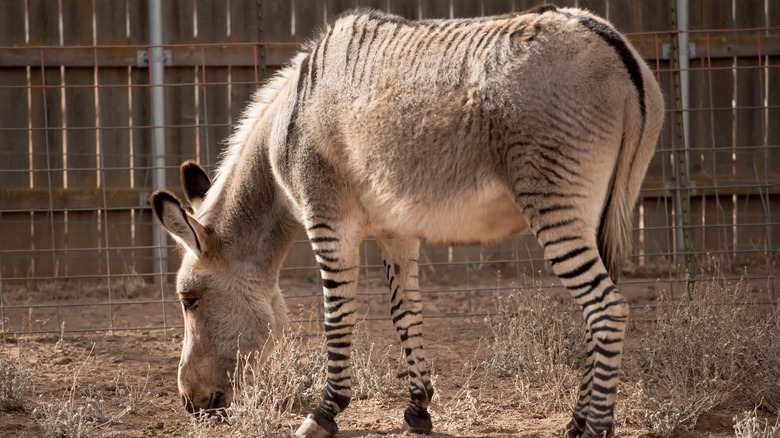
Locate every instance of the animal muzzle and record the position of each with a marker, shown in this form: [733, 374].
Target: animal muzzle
[213, 403]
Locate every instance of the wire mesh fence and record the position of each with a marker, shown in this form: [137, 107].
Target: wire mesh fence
[77, 165]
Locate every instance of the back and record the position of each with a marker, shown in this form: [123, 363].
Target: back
[439, 99]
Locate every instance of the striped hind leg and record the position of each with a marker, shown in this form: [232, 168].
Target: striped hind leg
[338, 258]
[400, 260]
[568, 236]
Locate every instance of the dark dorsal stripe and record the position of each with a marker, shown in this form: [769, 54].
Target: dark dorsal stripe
[541, 9]
[616, 42]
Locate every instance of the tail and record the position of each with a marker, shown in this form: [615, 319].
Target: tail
[642, 125]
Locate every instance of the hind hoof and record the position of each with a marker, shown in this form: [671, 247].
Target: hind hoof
[310, 429]
[417, 421]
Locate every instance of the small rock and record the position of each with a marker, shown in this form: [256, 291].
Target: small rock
[159, 425]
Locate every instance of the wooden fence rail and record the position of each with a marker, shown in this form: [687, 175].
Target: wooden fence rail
[76, 159]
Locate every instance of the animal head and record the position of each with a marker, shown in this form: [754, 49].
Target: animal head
[230, 303]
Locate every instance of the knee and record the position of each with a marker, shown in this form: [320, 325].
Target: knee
[422, 394]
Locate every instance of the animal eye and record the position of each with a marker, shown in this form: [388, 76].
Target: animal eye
[188, 302]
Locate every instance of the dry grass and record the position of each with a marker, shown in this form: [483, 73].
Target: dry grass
[749, 425]
[539, 344]
[271, 398]
[85, 411]
[714, 350]
[711, 348]
[465, 405]
[16, 385]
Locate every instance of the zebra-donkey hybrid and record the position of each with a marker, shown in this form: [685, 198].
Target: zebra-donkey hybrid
[451, 131]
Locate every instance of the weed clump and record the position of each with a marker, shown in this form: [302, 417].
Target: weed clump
[710, 348]
[270, 396]
[16, 385]
[540, 345]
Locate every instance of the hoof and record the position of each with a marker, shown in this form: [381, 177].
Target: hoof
[417, 420]
[572, 430]
[311, 429]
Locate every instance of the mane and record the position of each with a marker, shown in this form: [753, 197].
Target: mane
[236, 143]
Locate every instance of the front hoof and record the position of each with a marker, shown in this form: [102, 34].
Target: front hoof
[417, 420]
[311, 429]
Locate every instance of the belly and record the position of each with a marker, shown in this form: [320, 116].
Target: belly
[481, 216]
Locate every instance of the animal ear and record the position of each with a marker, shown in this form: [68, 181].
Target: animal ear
[195, 183]
[184, 228]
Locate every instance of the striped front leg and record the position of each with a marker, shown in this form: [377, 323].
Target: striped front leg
[338, 261]
[400, 260]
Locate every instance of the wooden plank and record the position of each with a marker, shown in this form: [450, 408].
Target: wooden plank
[497, 7]
[243, 21]
[751, 131]
[566, 3]
[749, 14]
[752, 238]
[215, 111]
[142, 258]
[659, 238]
[710, 14]
[81, 170]
[658, 167]
[47, 145]
[625, 16]
[43, 23]
[240, 95]
[309, 19]
[178, 25]
[114, 139]
[434, 9]
[113, 101]
[773, 17]
[277, 21]
[14, 172]
[380, 5]
[180, 118]
[138, 18]
[466, 8]
[653, 18]
[212, 21]
[598, 7]
[718, 234]
[47, 154]
[213, 106]
[181, 133]
[721, 46]
[750, 124]
[771, 156]
[720, 126]
[43, 30]
[405, 8]
[700, 121]
[12, 19]
[333, 8]
[84, 230]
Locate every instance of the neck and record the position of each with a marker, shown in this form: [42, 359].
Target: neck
[245, 207]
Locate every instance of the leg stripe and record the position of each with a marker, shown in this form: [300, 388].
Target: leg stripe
[569, 255]
[333, 284]
[585, 267]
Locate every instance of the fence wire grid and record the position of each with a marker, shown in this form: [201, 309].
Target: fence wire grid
[77, 163]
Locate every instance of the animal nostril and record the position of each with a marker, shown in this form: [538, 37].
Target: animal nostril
[217, 400]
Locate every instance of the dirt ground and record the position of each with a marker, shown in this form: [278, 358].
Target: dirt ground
[101, 364]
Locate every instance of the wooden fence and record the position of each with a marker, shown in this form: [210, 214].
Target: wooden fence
[76, 158]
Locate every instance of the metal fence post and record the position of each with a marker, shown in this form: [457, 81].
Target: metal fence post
[157, 66]
[682, 195]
